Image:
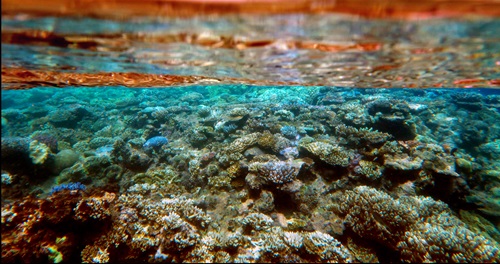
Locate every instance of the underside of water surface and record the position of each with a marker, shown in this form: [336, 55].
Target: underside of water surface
[290, 137]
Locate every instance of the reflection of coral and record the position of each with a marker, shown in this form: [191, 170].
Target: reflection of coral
[421, 229]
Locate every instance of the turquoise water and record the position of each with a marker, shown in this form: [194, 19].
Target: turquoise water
[253, 173]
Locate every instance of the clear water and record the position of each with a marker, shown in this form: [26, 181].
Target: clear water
[327, 166]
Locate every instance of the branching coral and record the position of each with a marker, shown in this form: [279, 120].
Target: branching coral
[278, 172]
[362, 137]
[145, 223]
[421, 229]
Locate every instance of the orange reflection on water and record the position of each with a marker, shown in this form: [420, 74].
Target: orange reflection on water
[18, 79]
[121, 9]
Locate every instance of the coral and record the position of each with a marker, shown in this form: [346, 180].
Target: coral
[265, 203]
[155, 142]
[293, 239]
[130, 158]
[146, 223]
[163, 175]
[328, 153]
[76, 186]
[487, 201]
[48, 139]
[290, 153]
[191, 97]
[203, 111]
[326, 247]
[393, 117]
[284, 115]
[469, 101]
[403, 162]
[37, 230]
[98, 142]
[278, 172]
[200, 135]
[361, 252]
[68, 117]
[362, 137]
[64, 159]
[229, 128]
[6, 178]
[257, 174]
[267, 140]
[420, 229]
[39, 152]
[369, 169]
[474, 133]
[94, 207]
[257, 221]
[237, 114]
[289, 132]
[436, 159]
[221, 181]
[480, 225]
[121, 152]
[241, 144]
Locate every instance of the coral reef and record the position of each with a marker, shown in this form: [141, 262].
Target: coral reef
[420, 229]
[260, 174]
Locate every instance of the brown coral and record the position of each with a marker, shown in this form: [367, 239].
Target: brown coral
[333, 155]
[421, 229]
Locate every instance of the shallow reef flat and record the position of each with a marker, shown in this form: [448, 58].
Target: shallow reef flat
[242, 173]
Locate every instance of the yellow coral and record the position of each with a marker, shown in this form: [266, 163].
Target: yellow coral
[39, 152]
[369, 169]
[241, 144]
[266, 140]
[332, 155]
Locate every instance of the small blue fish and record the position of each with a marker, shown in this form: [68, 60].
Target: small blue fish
[155, 142]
